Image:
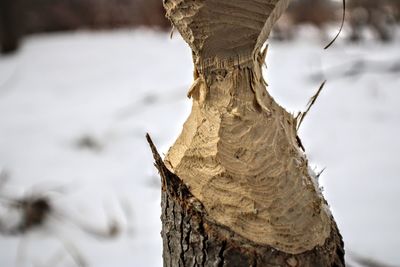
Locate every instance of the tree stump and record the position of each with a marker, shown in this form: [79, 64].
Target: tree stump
[237, 188]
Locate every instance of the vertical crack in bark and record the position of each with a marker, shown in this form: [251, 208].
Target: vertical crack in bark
[189, 257]
[221, 260]
[204, 239]
[182, 240]
[165, 233]
[189, 233]
[169, 234]
[174, 232]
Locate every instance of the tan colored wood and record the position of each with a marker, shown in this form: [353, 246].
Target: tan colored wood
[238, 152]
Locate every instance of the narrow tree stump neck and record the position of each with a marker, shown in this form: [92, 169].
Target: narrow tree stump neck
[192, 239]
[239, 157]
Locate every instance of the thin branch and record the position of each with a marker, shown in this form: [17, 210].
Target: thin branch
[319, 174]
[341, 26]
[171, 34]
[312, 101]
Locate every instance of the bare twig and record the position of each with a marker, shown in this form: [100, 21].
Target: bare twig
[341, 26]
[171, 34]
[319, 174]
[311, 102]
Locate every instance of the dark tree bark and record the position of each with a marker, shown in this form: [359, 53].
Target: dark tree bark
[191, 238]
[10, 25]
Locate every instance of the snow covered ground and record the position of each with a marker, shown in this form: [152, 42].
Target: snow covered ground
[74, 109]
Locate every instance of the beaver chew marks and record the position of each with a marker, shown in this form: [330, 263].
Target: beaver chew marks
[237, 152]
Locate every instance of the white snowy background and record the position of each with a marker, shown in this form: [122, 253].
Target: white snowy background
[113, 87]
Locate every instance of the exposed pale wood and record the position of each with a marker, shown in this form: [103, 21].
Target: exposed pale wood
[238, 153]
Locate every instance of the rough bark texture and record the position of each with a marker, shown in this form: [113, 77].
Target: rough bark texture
[191, 238]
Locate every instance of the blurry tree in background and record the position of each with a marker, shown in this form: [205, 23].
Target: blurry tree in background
[20, 17]
[378, 16]
[56, 15]
[315, 12]
[10, 29]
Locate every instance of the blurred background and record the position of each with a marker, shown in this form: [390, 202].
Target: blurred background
[82, 81]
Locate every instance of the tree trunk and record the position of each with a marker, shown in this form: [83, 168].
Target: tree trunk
[191, 238]
[237, 189]
[10, 30]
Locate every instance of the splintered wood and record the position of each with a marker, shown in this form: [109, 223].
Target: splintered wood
[238, 152]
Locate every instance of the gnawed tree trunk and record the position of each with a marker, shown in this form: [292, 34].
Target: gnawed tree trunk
[237, 189]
